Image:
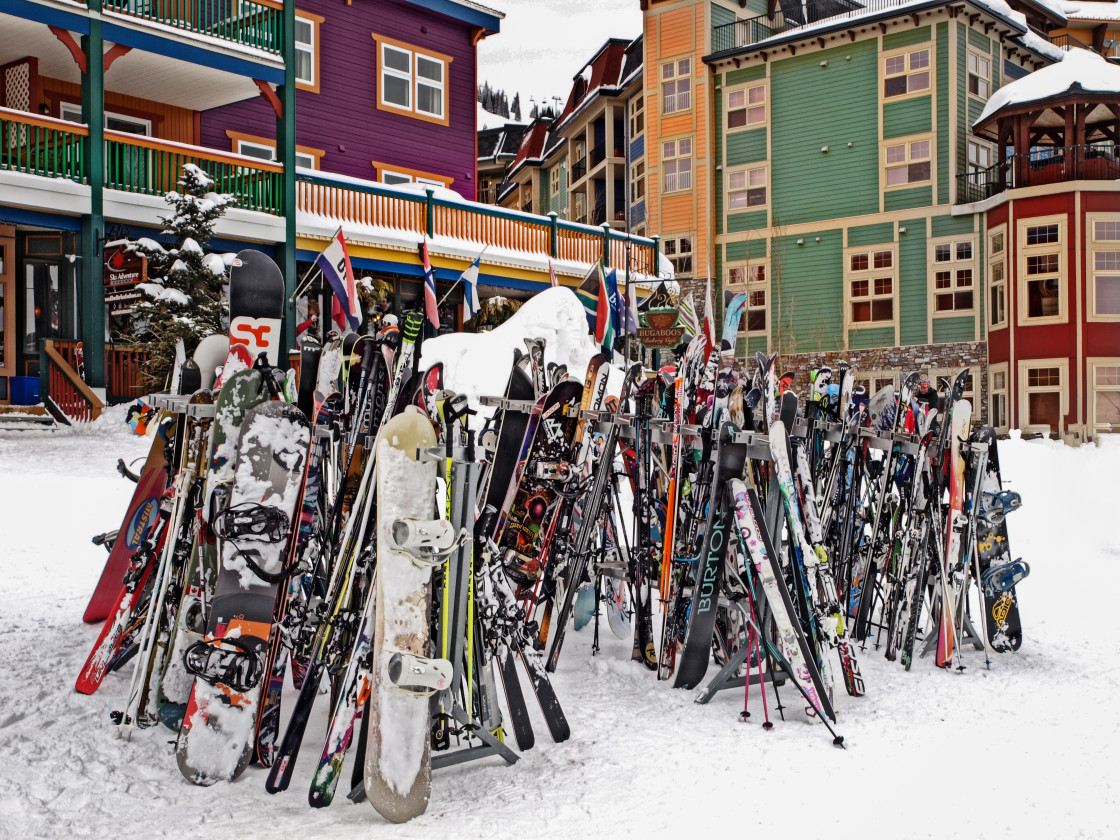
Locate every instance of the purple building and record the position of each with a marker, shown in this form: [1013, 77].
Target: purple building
[386, 92]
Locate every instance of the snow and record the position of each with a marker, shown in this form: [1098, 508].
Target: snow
[216, 263]
[1079, 67]
[164, 294]
[1024, 749]
[478, 364]
[189, 246]
[1092, 10]
[484, 119]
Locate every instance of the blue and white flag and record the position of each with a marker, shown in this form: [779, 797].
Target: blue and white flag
[334, 262]
[470, 287]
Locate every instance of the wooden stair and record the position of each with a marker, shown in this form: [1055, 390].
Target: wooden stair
[25, 418]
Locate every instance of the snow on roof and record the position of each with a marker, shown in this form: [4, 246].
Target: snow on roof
[1091, 10]
[485, 119]
[1080, 70]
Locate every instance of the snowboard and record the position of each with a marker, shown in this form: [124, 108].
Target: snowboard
[398, 769]
[216, 740]
[256, 304]
[209, 356]
[1001, 610]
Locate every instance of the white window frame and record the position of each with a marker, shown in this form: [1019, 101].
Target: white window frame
[73, 113]
[429, 83]
[302, 158]
[385, 70]
[307, 47]
[1094, 388]
[974, 165]
[755, 111]
[675, 185]
[637, 181]
[1096, 245]
[954, 266]
[1025, 390]
[747, 187]
[975, 57]
[1026, 251]
[870, 275]
[752, 277]
[671, 73]
[636, 108]
[398, 177]
[909, 59]
[671, 250]
[997, 288]
[910, 159]
[996, 393]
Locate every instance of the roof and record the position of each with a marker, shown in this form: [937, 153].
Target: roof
[1093, 10]
[882, 10]
[500, 142]
[1081, 72]
[605, 73]
[465, 10]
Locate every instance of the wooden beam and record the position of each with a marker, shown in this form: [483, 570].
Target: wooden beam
[115, 52]
[765, 57]
[68, 41]
[917, 18]
[988, 27]
[269, 96]
[883, 27]
[852, 34]
[821, 42]
[972, 19]
[792, 49]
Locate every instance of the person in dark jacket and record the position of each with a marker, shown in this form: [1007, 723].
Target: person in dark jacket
[925, 396]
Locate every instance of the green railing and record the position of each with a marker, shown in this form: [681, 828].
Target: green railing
[153, 167]
[242, 22]
[41, 145]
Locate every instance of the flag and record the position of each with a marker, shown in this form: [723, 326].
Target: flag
[687, 310]
[709, 313]
[606, 313]
[552, 275]
[470, 287]
[588, 294]
[431, 307]
[630, 318]
[334, 262]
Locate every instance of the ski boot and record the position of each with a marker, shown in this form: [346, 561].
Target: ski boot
[418, 675]
[429, 542]
[1000, 579]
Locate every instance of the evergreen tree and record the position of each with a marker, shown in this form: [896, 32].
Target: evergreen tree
[185, 296]
[515, 108]
[534, 113]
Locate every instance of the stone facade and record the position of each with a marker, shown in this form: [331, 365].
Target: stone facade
[881, 363]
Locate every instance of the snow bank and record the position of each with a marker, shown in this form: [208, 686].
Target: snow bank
[479, 364]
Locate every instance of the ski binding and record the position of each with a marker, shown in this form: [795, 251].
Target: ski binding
[418, 675]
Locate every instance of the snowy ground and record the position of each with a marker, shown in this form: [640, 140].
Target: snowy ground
[1024, 750]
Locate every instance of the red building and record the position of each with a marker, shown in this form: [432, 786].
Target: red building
[1052, 248]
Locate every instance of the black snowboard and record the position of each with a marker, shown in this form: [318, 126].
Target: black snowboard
[256, 304]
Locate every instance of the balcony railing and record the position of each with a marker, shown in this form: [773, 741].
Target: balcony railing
[241, 22]
[1050, 165]
[743, 33]
[143, 165]
[579, 169]
[369, 204]
[41, 145]
[598, 154]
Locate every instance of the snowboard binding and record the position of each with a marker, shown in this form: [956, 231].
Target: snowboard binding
[228, 661]
[1000, 579]
[428, 541]
[418, 675]
[262, 522]
[998, 505]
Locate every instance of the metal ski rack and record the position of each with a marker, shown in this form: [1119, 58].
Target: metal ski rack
[504, 404]
[727, 676]
[175, 403]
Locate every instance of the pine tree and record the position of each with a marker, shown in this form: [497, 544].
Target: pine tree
[185, 296]
[515, 108]
[534, 113]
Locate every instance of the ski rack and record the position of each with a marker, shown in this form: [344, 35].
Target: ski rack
[506, 404]
[885, 441]
[727, 677]
[181, 404]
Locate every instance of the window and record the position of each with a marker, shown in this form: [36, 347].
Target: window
[1104, 263]
[1043, 394]
[997, 399]
[676, 86]
[676, 160]
[979, 157]
[1041, 262]
[679, 252]
[527, 197]
[997, 278]
[746, 189]
[954, 276]
[388, 175]
[906, 73]
[1106, 394]
[266, 151]
[907, 163]
[979, 75]
[754, 277]
[870, 284]
[637, 181]
[411, 81]
[637, 116]
[746, 107]
[307, 51]
[72, 112]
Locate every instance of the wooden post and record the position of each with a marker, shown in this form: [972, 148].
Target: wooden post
[553, 235]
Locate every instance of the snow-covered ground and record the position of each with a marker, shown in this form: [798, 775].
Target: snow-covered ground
[1025, 750]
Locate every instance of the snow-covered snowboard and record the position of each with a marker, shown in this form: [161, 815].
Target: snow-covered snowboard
[398, 768]
[216, 741]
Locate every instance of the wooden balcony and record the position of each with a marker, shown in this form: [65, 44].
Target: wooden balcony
[244, 22]
[351, 203]
[1046, 165]
[43, 146]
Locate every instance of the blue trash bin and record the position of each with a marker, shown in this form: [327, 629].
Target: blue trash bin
[24, 390]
